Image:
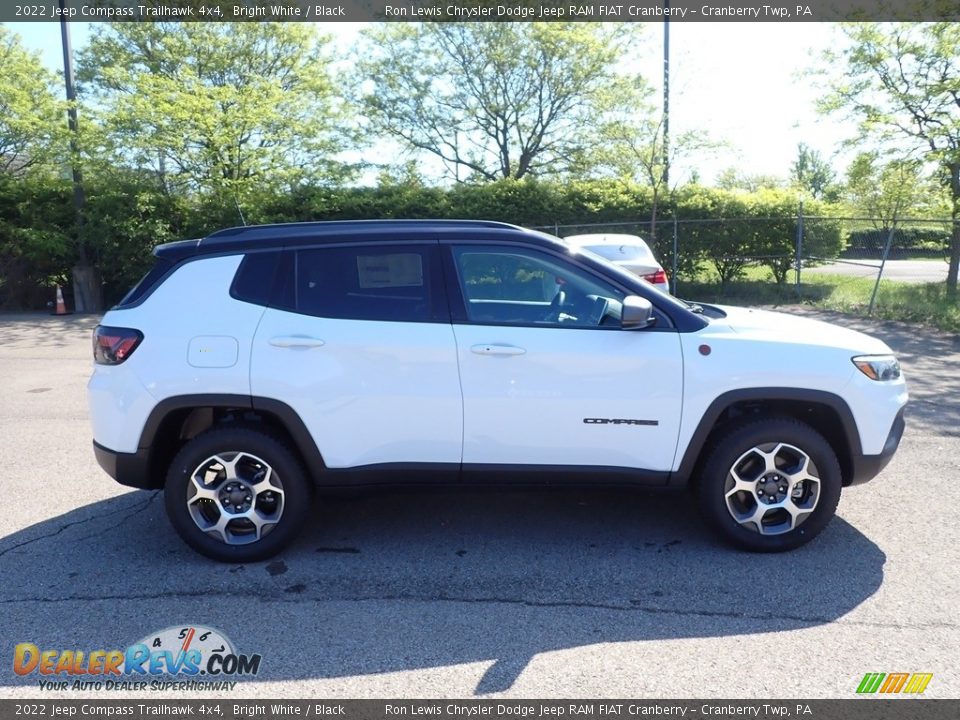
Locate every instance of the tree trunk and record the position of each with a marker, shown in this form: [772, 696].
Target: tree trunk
[653, 222]
[954, 258]
[955, 234]
[86, 289]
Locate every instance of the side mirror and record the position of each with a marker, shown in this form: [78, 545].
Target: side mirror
[637, 313]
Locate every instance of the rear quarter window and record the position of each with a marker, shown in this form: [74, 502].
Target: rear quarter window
[147, 284]
[255, 277]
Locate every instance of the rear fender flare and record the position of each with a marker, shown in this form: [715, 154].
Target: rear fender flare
[302, 439]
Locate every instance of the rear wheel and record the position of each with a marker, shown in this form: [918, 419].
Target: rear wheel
[770, 485]
[236, 494]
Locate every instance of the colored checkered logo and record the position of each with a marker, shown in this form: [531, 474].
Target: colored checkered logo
[907, 683]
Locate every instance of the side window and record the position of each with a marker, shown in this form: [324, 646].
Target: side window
[518, 286]
[253, 282]
[147, 284]
[367, 282]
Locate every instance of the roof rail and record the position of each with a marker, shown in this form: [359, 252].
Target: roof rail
[323, 226]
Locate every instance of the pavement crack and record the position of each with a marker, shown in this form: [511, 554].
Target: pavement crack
[135, 508]
[286, 597]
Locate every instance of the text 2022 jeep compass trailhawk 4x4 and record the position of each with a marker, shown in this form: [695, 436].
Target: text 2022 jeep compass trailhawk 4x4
[252, 364]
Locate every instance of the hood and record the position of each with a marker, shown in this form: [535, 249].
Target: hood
[799, 330]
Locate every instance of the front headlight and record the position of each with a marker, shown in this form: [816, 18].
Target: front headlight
[878, 367]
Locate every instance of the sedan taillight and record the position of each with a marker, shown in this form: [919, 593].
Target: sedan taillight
[657, 278]
[113, 345]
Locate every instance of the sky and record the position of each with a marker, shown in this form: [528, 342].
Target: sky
[742, 83]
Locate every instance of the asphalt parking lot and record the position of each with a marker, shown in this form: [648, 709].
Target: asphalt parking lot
[915, 271]
[573, 593]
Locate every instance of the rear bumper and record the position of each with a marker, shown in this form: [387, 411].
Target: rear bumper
[867, 467]
[131, 469]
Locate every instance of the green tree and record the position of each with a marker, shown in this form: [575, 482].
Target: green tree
[126, 215]
[886, 192]
[494, 100]
[812, 173]
[32, 119]
[634, 149]
[902, 83]
[218, 107]
[36, 218]
[735, 179]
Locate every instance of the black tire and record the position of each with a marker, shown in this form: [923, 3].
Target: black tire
[287, 470]
[730, 447]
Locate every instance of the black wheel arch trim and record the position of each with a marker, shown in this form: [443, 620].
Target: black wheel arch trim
[724, 401]
[304, 443]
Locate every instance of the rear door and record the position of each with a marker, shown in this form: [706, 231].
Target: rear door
[360, 344]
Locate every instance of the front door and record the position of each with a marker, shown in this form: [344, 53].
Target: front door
[548, 375]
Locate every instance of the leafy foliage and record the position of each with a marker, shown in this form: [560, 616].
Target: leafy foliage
[636, 149]
[902, 82]
[127, 216]
[32, 120]
[226, 108]
[35, 248]
[930, 241]
[810, 172]
[747, 229]
[494, 100]
[889, 191]
[734, 179]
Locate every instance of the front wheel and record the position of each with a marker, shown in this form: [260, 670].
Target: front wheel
[236, 494]
[770, 485]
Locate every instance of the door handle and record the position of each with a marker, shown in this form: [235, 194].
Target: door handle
[296, 341]
[494, 349]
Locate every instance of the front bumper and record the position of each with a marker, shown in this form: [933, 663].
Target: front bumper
[131, 469]
[867, 467]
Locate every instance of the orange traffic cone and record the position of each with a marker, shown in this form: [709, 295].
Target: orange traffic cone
[61, 305]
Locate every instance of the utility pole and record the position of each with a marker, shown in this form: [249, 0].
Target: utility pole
[666, 95]
[86, 286]
[665, 122]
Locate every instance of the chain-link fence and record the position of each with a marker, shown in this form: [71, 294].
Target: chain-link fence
[779, 257]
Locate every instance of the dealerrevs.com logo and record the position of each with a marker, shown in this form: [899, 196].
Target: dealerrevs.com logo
[181, 651]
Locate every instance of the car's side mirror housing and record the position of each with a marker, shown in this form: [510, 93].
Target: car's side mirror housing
[637, 313]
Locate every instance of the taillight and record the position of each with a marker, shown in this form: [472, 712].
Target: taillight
[657, 278]
[113, 345]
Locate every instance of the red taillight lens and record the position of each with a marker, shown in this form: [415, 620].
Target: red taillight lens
[113, 345]
[657, 278]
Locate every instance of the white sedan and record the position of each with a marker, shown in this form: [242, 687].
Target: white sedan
[628, 251]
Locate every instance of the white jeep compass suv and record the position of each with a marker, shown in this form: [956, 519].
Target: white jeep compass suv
[253, 364]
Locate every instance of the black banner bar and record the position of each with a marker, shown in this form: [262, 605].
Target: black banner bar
[864, 708]
[479, 10]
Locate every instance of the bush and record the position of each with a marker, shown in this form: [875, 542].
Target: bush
[124, 220]
[36, 220]
[742, 229]
[905, 239]
[129, 212]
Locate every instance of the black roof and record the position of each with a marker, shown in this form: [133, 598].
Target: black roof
[257, 237]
